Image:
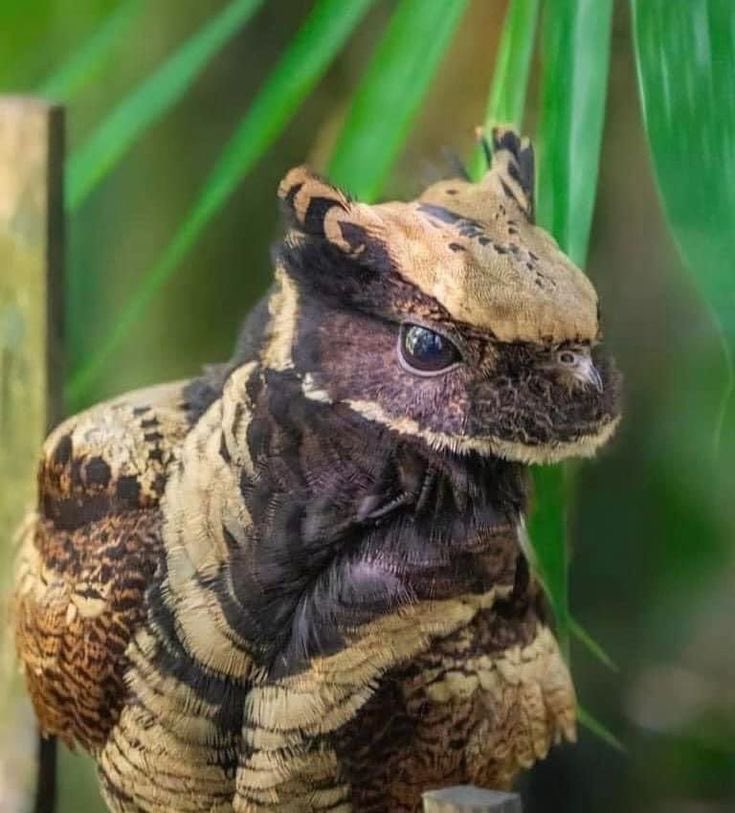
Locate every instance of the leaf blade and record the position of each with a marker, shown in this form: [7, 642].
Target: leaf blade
[575, 49]
[391, 92]
[600, 730]
[71, 77]
[148, 103]
[507, 97]
[685, 60]
[576, 55]
[591, 645]
[321, 36]
[548, 536]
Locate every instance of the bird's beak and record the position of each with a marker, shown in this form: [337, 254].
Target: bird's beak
[589, 375]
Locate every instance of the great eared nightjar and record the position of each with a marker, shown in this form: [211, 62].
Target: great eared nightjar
[298, 582]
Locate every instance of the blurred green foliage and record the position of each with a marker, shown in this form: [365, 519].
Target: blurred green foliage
[302, 64]
[151, 100]
[389, 95]
[155, 90]
[88, 60]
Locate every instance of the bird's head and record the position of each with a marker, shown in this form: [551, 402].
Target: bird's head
[451, 318]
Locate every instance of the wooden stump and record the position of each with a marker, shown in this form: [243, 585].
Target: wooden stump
[469, 799]
[31, 251]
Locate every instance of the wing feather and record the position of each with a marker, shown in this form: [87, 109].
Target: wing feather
[88, 554]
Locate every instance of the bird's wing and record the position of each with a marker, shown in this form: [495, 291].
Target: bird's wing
[88, 553]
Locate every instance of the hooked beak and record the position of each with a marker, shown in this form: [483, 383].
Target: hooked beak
[588, 375]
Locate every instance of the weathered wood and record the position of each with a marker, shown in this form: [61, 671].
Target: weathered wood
[31, 251]
[469, 799]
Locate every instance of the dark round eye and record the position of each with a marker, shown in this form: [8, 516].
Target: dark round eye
[425, 352]
[567, 357]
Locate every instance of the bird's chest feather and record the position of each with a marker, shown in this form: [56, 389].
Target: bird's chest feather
[473, 708]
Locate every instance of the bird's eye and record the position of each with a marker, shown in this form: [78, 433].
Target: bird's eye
[567, 358]
[425, 352]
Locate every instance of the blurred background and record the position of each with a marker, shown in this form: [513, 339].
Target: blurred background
[651, 524]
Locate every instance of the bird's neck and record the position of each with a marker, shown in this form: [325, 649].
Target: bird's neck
[326, 521]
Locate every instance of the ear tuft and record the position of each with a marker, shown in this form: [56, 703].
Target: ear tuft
[306, 200]
[513, 161]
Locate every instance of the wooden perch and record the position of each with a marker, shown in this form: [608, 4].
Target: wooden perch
[469, 799]
[31, 225]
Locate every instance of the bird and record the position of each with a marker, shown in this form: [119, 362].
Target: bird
[298, 581]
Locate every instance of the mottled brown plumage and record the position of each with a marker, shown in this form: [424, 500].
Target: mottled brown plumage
[298, 582]
[89, 556]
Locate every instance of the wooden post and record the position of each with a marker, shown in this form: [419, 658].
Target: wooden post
[31, 253]
[469, 799]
